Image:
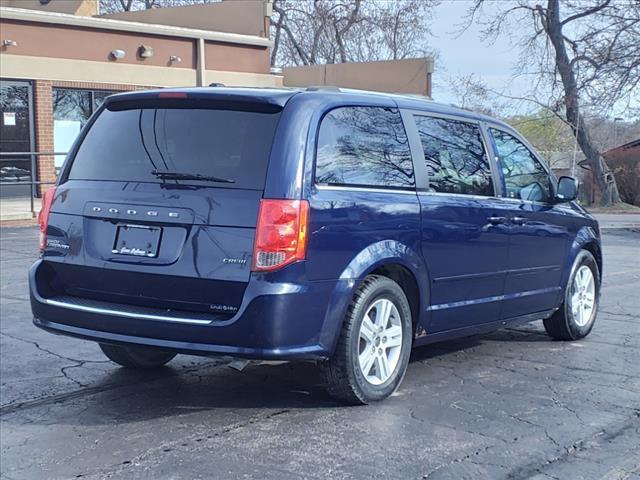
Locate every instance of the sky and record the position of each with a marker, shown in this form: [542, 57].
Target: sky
[468, 54]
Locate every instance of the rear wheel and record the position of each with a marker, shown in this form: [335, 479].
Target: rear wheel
[575, 318]
[373, 350]
[137, 357]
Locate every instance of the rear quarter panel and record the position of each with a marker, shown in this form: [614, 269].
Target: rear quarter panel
[352, 231]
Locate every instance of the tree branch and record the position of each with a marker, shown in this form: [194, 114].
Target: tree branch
[585, 13]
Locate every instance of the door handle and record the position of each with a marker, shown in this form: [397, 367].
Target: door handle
[497, 220]
[519, 220]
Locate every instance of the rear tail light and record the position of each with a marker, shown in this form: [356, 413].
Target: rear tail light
[281, 235]
[43, 216]
[172, 95]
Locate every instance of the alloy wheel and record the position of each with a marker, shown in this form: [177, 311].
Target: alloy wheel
[380, 341]
[583, 296]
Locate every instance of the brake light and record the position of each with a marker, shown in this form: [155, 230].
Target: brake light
[172, 95]
[43, 216]
[281, 235]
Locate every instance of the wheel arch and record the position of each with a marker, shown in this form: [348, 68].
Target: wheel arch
[389, 258]
[407, 281]
[586, 239]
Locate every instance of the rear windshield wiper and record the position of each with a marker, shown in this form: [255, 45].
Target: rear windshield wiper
[189, 176]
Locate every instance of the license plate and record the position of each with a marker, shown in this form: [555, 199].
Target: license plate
[137, 240]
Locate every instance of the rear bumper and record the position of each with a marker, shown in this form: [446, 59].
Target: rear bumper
[275, 321]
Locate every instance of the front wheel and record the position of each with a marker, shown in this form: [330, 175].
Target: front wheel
[373, 350]
[137, 357]
[575, 318]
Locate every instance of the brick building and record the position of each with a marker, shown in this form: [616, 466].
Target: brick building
[59, 59]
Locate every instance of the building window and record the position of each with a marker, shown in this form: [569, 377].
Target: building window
[16, 139]
[71, 110]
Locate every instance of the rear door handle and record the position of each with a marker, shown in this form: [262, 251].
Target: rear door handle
[519, 220]
[497, 220]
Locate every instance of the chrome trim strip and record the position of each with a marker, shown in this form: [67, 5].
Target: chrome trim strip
[118, 313]
[365, 189]
[497, 298]
[460, 195]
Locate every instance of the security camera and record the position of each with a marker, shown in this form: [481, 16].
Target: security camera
[118, 54]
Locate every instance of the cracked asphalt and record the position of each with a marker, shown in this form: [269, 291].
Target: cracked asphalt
[511, 404]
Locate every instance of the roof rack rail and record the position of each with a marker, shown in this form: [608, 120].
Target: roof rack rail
[325, 88]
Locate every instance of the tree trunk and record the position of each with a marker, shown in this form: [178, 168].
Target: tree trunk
[276, 41]
[604, 179]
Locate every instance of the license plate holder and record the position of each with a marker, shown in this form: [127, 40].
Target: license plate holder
[137, 240]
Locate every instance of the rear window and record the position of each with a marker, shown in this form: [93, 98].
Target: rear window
[128, 145]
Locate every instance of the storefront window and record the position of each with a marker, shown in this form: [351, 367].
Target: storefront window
[71, 110]
[16, 135]
[98, 98]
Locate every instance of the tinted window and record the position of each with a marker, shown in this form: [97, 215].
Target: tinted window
[128, 145]
[455, 157]
[524, 176]
[364, 146]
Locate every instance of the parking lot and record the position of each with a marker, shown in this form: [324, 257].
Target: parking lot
[511, 404]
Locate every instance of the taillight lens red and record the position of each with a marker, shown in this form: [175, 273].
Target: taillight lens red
[281, 235]
[43, 216]
[172, 95]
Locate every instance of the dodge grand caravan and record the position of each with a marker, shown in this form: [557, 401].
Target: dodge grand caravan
[322, 224]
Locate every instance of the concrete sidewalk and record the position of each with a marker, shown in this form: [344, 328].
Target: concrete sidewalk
[18, 208]
[609, 221]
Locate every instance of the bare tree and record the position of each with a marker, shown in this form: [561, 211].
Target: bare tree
[582, 56]
[308, 32]
[114, 6]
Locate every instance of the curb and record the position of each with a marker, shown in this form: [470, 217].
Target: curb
[19, 223]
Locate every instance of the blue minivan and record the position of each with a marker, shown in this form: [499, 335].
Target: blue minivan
[323, 224]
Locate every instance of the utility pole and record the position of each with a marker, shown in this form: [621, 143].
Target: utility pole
[615, 130]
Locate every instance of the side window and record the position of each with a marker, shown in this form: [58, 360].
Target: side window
[455, 156]
[364, 146]
[524, 176]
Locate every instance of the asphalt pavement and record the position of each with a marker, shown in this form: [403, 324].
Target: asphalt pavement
[511, 404]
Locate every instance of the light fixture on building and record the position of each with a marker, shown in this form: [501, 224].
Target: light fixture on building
[9, 43]
[174, 59]
[145, 51]
[117, 54]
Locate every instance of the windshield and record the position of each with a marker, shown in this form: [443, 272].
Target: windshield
[130, 145]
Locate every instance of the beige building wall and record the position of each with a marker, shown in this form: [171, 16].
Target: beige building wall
[234, 16]
[69, 48]
[411, 76]
[85, 8]
[59, 41]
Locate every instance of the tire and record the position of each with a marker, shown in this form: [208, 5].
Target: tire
[569, 323]
[342, 373]
[137, 357]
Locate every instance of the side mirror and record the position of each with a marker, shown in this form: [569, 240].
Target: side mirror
[567, 189]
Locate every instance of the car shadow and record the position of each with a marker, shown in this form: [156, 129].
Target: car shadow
[124, 396]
